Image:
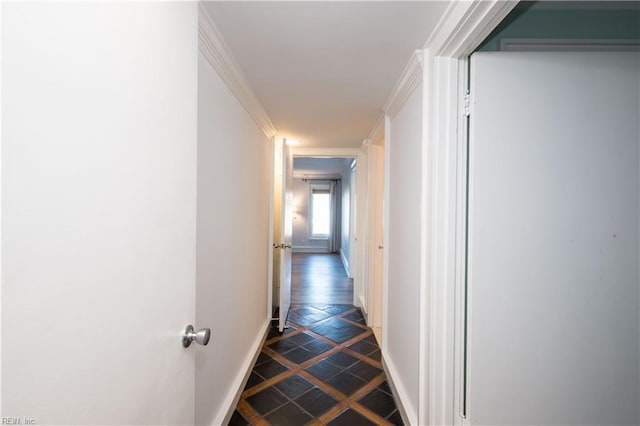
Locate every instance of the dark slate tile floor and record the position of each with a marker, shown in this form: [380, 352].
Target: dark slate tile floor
[324, 369]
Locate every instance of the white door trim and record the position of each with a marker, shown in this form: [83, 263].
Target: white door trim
[461, 30]
[298, 151]
[568, 45]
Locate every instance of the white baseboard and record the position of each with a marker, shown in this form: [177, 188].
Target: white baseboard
[407, 411]
[360, 303]
[309, 249]
[345, 262]
[233, 396]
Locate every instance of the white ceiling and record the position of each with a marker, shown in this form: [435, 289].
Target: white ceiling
[323, 70]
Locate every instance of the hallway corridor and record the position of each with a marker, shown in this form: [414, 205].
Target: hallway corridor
[319, 278]
[325, 369]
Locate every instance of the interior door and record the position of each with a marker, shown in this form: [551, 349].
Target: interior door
[98, 212]
[376, 191]
[553, 329]
[286, 236]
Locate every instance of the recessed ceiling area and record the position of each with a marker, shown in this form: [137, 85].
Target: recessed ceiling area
[323, 70]
[312, 167]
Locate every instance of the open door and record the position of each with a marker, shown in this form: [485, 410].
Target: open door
[553, 238]
[283, 230]
[98, 215]
[375, 241]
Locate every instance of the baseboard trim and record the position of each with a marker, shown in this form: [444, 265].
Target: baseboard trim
[408, 414]
[231, 401]
[345, 262]
[309, 249]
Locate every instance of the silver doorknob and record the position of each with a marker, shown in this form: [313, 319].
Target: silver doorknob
[201, 336]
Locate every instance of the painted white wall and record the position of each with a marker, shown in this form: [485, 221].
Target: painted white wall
[99, 211]
[403, 250]
[234, 171]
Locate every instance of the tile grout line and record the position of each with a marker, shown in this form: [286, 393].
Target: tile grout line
[344, 402]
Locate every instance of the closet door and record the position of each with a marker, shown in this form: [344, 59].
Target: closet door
[553, 328]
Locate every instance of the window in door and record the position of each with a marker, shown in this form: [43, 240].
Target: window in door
[320, 211]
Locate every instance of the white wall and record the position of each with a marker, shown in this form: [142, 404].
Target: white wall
[401, 336]
[99, 192]
[234, 171]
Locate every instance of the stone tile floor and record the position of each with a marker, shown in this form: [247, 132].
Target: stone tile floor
[324, 369]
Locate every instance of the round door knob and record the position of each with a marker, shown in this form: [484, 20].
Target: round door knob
[201, 336]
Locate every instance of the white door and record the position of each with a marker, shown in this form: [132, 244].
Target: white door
[376, 245]
[282, 229]
[286, 236]
[553, 329]
[98, 211]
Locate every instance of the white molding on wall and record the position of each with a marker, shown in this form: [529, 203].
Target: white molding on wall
[316, 176]
[465, 24]
[377, 131]
[233, 395]
[309, 249]
[301, 151]
[345, 262]
[410, 78]
[460, 31]
[401, 396]
[584, 5]
[217, 53]
[568, 45]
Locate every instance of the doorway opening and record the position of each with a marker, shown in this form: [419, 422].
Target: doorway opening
[323, 253]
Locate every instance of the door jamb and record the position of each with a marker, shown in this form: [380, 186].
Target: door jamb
[336, 152]
[462, 28]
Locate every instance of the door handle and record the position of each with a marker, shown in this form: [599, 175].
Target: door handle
[282, 246]
[201, 336]
[379, 247]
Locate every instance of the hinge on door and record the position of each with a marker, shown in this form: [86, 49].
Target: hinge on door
[467, 103]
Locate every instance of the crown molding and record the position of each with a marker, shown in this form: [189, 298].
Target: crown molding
[465, 25]
[377, 132]
[301, 151]
[316, 176]
[217, 53]
[409, 79]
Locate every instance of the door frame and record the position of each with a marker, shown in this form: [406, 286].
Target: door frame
[445, 55]
[273, 143]
[358, 155]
